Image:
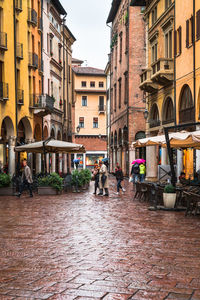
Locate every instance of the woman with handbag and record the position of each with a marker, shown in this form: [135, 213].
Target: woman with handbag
[103, 179]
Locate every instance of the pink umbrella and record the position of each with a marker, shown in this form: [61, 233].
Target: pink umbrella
[139, 161]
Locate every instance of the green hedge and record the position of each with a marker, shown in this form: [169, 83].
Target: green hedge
[53, 180]
[5, 180]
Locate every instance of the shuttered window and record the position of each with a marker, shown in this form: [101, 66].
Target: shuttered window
[175, 43]
[187, 33]
[95, 123]
[81, 122]
[198, 24]
[192, 29]
[180, 39]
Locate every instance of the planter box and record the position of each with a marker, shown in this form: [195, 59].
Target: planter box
[47, 190]
[7, 191]
[169, 200]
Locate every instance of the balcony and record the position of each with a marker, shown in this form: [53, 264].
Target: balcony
[163, 71]
[32, 17]
[20, 97]
[4, 92]
[3, 41]
[154, 123]
[18, 5]
[102, 109]
[40, 66]
[146, 83]
[33, 60]
[42, 105]
[165, 122]
[40, 25]
[19, 51]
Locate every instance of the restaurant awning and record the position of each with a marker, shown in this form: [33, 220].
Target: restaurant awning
[178, 140]
[51, 146]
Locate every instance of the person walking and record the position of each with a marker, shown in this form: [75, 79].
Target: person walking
[142, 172]
[135, 171]
[96, 179]
[103, 179]
[26, 179]
[119, 177]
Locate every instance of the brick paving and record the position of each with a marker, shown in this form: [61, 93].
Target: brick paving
[78, 246]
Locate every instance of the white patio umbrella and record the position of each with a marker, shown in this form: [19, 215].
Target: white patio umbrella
[51, 146]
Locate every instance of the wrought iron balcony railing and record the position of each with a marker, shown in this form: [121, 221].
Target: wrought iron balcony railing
[40, 25]
[32, 16]
[41, 101]
[19, 51]
[102, 108]
[187, 115]
[3, 41]
[18, 5]
[154, 123]
[20, 97]
[4, 91]
[33, 60]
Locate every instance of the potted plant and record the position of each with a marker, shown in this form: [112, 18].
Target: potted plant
[60, 62]
[51, 53]
[86, 175]
[61, 103]
[169, 196]
[77, 181]
[5, 185]
[51, 184]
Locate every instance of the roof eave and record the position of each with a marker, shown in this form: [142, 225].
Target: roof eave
[59, 7]
[138, 3]
[113, 10]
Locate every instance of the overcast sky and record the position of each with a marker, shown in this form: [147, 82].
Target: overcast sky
[87, 21]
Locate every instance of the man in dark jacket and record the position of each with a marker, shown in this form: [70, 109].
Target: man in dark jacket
[135, 171]
[119, 177]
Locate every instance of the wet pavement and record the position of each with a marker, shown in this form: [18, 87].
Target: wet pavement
[78, 246]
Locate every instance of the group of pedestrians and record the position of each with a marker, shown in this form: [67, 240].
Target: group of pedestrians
[100, 177]
[138, 172]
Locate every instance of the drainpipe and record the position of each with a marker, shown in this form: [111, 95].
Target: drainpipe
[15, 66]
[175, 119]
[42, 46]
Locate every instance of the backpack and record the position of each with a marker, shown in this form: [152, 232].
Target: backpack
[136, 169]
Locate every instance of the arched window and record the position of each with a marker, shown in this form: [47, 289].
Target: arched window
[168, 111]
[115, 138]
[186, 107]
[120, 136]
[154, 116]
[111, 139]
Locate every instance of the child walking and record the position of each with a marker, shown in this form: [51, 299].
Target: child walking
[119, 177]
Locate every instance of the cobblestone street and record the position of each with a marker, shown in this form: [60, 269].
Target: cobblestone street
[78, 246]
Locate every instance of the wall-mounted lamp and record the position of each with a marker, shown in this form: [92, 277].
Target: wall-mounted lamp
[146, 114]
[78, 128]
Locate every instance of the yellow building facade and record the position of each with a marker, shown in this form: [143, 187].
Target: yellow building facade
[187, 59]
[16, 118]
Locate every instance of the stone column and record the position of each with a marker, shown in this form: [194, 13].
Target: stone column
[179, 163]
[38, 163]
[84, 160]
[164, 156]
[53, 163]
[65, 163]
[151, 163]
[60, 163]
[30, 155]
[11, 155]
[47, 162]
[197, 160]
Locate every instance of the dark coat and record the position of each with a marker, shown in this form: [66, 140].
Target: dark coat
[119, 174]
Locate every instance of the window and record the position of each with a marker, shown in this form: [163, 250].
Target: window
[69, 74]
[120, 44]
[92, 83]
[59, 54]
[127, 38]
[154, 15]
[83, 83]
[111, 101]
[154, 53]
[51, 47]
[52, 89]
[95, 123]
[126, 88]
[115, 97]
[189, 32]
[116, 50]
[101, 84]
[178, 41]
[198, 24]
[101, 103]
[168, 44]
[120, 92]
[81, 122]
[167, 3]
[84, 100]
